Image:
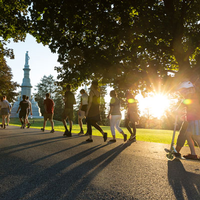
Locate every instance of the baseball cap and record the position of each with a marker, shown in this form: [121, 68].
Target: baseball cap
[185, 84]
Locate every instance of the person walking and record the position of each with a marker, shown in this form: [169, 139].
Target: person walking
[190, 130]
[68, 111]
[131, 115]
[48, 112]
[115, 116]
[23, 107]
[93, 113]
[82, 110]
[4, 104]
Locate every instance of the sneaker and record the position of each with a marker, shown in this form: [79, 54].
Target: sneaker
[125, 137]
[81, 133]
[177, 155]
[113, 140]
[52, 131]
[42, 129]
[69, 134]
[89, 140]
[22, 126]
[132, 138]
[192, 157]
[65, 133]
[86, 134]
[4, 126]
[28, 126]
[105, 137]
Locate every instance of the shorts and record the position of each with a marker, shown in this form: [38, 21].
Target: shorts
[68, 113]
[48, 116]
[194, 127]
[84, 108]
[4, 111]
[81, 114]
[23, 115]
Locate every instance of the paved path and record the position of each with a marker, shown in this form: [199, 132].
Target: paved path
[45, 166]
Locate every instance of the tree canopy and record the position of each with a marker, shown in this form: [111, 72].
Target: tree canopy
[14, 24]
[7, 86]
[130, 44]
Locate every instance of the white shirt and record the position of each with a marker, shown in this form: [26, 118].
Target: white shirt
[84, 99]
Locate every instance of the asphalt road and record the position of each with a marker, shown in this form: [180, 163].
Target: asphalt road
[46, 166]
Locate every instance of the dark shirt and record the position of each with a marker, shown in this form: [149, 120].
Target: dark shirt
[24, 106]
[69, 100]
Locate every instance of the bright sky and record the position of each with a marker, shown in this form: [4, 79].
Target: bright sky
[42, 61]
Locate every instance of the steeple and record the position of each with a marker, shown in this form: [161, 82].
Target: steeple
[26, 84]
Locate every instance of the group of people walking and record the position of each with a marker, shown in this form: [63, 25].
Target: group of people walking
[89, 109]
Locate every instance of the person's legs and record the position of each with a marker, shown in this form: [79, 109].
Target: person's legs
[80, 117]
[94, 123]
[112, 125]
[196, 139]
[133, 127]
[190, 143]
[181, 137]
[70, 125]
[89, 130]
[21, 122]
[8, 119]
[52, 125]
[70, 120]
[117, 123]
[80, 124]
[3, 121]
[65, 124]
[127, 126]
[44, 124]
[24, 121]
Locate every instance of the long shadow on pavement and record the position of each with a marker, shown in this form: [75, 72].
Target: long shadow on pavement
[62, 180]
[34, 143]
[182, 181]
[41, 177]
[73, 182]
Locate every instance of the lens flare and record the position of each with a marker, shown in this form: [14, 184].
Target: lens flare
[187, 101]
[131, 100]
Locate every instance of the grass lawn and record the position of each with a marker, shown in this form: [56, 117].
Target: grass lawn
[148, 135]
